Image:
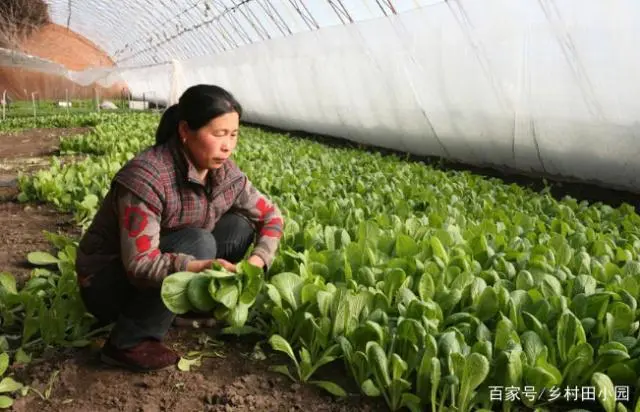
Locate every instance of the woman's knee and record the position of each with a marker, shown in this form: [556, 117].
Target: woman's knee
[234, 234]
[197, 242]
[235, 227]
[244, 228]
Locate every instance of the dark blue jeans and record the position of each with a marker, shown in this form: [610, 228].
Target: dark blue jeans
[140, 313]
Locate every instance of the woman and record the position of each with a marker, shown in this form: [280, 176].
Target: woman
[175, 207]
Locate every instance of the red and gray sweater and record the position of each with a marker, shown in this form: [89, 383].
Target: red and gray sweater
[158, 191]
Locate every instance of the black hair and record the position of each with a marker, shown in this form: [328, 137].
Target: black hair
[197, 106]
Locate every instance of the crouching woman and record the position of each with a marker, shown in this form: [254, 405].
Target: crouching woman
[177, 206]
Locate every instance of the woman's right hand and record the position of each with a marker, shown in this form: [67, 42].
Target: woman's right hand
[199, 265]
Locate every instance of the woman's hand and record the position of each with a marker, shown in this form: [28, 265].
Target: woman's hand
[256, 261]
[253, 260]
[227, 265]
[199, 265]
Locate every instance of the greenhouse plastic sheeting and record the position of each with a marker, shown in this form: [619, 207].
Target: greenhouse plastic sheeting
[14, 59]
[536, 85]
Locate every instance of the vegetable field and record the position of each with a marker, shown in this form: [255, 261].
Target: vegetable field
[430, 290]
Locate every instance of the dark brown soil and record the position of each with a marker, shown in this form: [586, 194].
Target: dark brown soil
[230, 380]
[22, 233]
[23, 225]
[34, 142]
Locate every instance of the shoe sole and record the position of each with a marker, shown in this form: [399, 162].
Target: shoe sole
[112, 362]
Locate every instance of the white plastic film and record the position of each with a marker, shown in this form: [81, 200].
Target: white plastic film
[546, 86]
[142, 32]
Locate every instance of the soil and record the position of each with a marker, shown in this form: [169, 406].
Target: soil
[75, 380]
[23, 225]
[23, 228]
[27, 151]
[230, 380]
[34, 142]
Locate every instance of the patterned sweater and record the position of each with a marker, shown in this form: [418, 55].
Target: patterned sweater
[159, 191]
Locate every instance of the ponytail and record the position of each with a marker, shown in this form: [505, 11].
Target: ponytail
[168, 126]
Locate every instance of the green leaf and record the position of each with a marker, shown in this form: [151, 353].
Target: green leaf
[252, 289]
[287, 284]
[280, 344]
[8, 282]
[604, 391]
[370, 389]
[4, 362]
[551, 286]
[368, 232]
[42, 259]
[249, 270]
[532, 346]
[185, 364]
[378, 363]
[330, 387]
[439, 250]
[509, 368]
[487, 305]
[329, 237]
[8, 385]
[238, 315]
[228, 296]
[398, 367]
[411, 402]
[174, 292]
[198, 293]
[21, 358]
[5, 402]
[476, 370]
[219, 274]
[283, 370]
[584, 284]
[569, 333]
[274, 295]
[405, 246]
[436, 374]
[426, 287]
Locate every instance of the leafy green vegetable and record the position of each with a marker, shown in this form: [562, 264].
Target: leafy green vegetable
[428, 285]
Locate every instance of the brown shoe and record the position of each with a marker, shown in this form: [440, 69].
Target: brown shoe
[148, 355]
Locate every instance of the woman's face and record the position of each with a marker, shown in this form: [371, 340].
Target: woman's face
[213, 143]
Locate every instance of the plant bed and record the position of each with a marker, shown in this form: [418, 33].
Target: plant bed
[229, 379]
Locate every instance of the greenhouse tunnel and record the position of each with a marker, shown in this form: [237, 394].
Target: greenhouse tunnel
[417, 205]
[544, 87]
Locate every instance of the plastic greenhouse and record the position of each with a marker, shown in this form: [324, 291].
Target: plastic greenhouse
[412, 288]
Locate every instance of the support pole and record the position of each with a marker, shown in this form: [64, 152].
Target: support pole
[4, 104]
[33, 101]
[176, 83]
